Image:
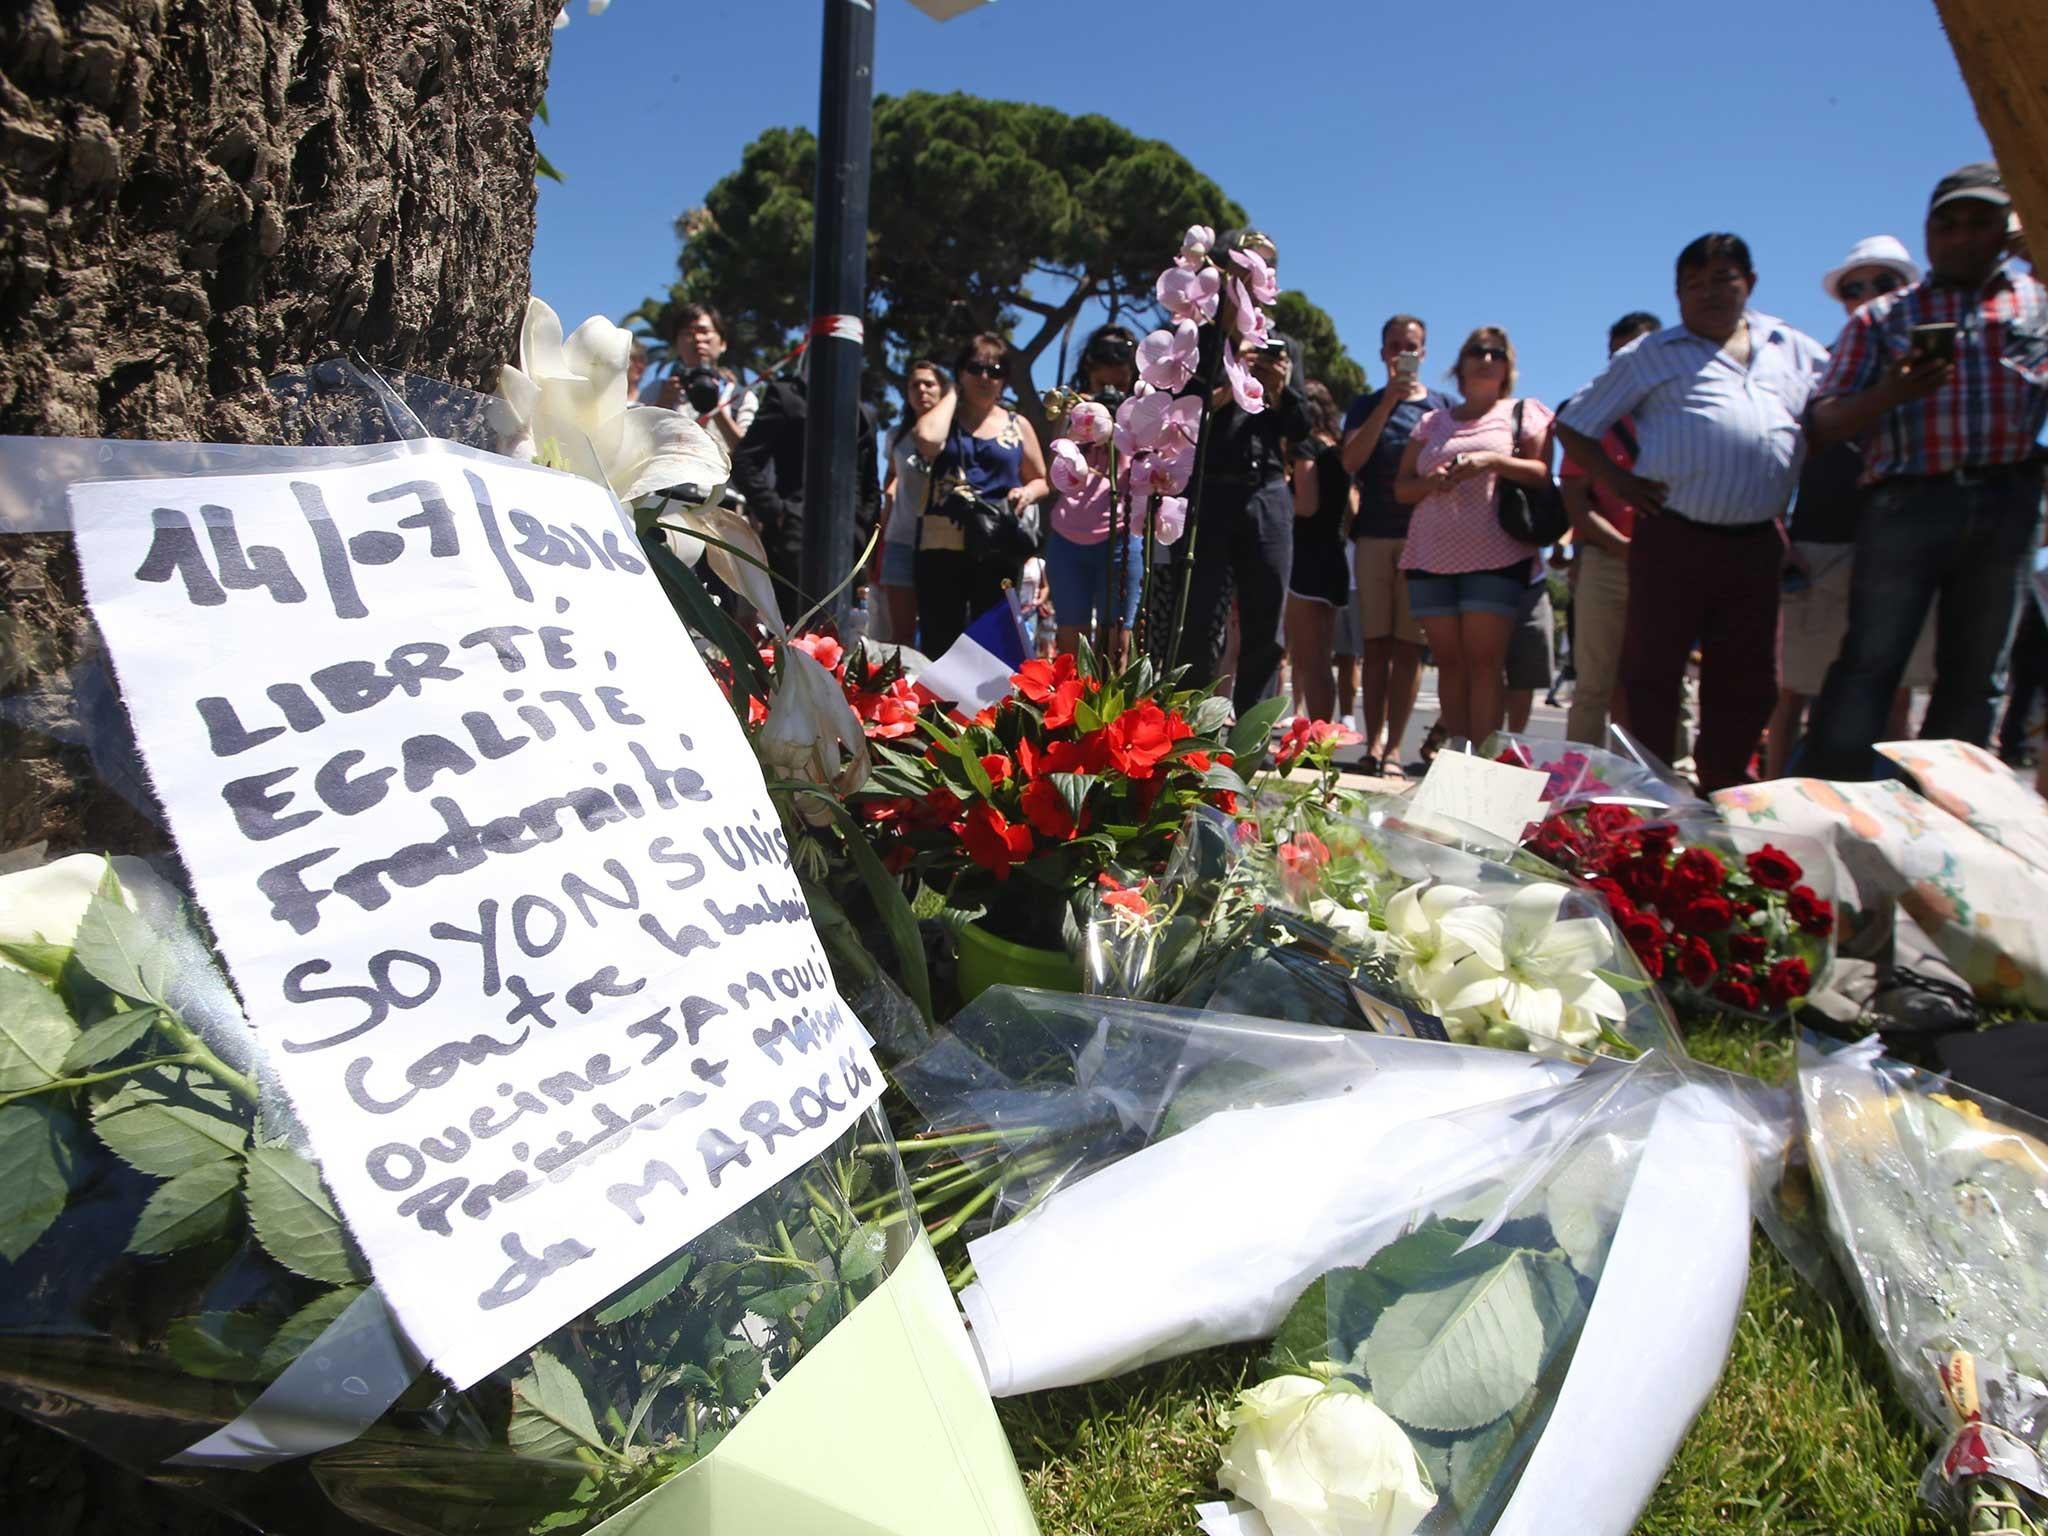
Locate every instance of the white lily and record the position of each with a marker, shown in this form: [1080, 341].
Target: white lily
[1348, 923]
[569, 392]
[1526, 966]
[1415, 933]
[811, 732]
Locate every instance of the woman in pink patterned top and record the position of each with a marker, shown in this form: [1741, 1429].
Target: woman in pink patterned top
[1468, 582]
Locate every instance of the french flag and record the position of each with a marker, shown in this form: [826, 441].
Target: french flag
[976, 669]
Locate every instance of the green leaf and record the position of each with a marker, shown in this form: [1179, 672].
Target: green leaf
[194, 1206]
[654, 1287]
[149, 1133]
[543, 166]
[103, 1042]
[295, 1220]
[1086, 717]
[40, 1159]
[118, 949]
[780, 1303]
[297, 1333]
[898, 917]
[550, 1412]
[1254, 729]
[1073, 788]
[540, 110]
[1476, 1464]
[35, 1033]
[220, 1346]
[1212, 716]
[1458, 1357]
[1218, 776]
[1304, 1338]
[741, 1365]
[1622, 983]
[1583, 1203]
[863, 1253]
[970, 761]
[45, 960]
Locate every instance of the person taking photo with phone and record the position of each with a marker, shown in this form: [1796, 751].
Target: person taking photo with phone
[1945, 383]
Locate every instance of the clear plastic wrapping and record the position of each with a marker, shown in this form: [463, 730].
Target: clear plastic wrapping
[1936, 1199]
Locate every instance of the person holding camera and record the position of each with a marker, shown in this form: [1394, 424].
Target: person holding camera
[988, 476]
[1946, 383]
[697, 382]
[1468, 578]
[1078, 555]
[1319, 584]
[905, 497]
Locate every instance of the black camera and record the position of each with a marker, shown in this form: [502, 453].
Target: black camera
[1109, 397]
[703, 388]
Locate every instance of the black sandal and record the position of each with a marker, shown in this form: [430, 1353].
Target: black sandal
[1432, 743]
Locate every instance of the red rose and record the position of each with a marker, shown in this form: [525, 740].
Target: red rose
[1658, 837]
[1696, 872]
[1747, 947]
[1516, 756]
[1609, 889]
[1737, 994]
[991, 841]
[1696, 962]
[1813, 915]
[1788, 979]
[1138, 738]
[1046, 809]
[1645, 935]
[1707, 914]
[1610, 820]
[1652, 961]
[1643, 878]
[1774, 869]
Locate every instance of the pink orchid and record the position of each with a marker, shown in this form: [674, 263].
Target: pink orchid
[1143, 476]
[1088, 422]
[1184, 419]
[1264, 285]
[1190, 295]
[1194, 246]
[1251, 321]
[1249, 393]
[1069, 471]
[1142, 422]
[1167, 358]
[1172, 466]
[1170, 520]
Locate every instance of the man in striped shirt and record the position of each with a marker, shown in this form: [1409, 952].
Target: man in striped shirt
[1717, 402]
[1946, 384]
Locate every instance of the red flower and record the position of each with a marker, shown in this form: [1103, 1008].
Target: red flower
[1788, 979]
[1046, 809]
[1302, 855]
[897, 859]
[992, 842]
[942, 801]
[1696, 873]
[1225, 800]
[996, 766]
[1643, 879]
[1516, 756]
[1609, 889]
[1607, 821]
[1658, 838]
[1199, 761]
[1749, 948]
[895, 808]
[1813, 915]
[1115, 895]
[1304, 734]
[1137, 739]
[1707, 914]
[1696, 962]
[823, 649]
[1737, 994]
[1774, 869]
[1652, 961]
[1039, 680]
[1645, 935]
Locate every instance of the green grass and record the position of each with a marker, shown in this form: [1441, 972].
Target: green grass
[1804, 1436]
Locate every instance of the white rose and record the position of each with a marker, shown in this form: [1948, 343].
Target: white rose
[44, 905]
[1323, 1461]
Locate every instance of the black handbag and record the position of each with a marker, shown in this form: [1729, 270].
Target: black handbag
[993, 532]
[1530, 514]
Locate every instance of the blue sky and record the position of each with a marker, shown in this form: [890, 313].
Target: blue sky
[1469, 162]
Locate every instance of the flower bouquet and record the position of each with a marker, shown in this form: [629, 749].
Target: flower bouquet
[1722, 917]
[1139, 1182]
[1452, 1379]
[1936, 1200]
[1591, 775]
[1015, 813]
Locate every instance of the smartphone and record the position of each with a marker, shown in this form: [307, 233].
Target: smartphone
[1936, 341]
[1408, 364]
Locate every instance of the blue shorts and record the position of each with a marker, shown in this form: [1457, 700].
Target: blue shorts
[1503, 591]
[1080, 580]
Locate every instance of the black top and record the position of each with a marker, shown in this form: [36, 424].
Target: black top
[1249, 450]
[1825, 512]
[768, 465]
[1380, 516]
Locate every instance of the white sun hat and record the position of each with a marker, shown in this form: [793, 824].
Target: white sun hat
[1874, 251]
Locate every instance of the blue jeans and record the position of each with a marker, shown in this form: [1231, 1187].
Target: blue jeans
[1973, 545]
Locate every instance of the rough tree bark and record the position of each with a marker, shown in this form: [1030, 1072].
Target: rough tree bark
[2002, 47]
[197, 194]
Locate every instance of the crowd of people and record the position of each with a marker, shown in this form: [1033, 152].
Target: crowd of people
[1767, 544]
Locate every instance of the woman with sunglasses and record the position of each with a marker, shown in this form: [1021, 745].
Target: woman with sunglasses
[971, 439]
[1078, 555]
[1468, 580]
[1814, 607]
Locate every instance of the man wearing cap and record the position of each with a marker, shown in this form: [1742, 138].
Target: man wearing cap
[1823, 534]
[1945, 382]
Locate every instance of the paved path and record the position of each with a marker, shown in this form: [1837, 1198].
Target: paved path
[1544, 722]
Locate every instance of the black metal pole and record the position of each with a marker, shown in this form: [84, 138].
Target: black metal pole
[839, 273]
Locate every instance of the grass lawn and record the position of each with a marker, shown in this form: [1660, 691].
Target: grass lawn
[1803, 1436]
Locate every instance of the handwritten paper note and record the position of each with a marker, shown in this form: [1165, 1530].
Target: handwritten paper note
[492, 866]
[1496, 797]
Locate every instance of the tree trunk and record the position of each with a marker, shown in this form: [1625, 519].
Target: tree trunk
[2003, 50]
[198, 194]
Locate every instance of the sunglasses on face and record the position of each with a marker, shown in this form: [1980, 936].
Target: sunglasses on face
[1883, 283]
[983, 370]
[1488, 354]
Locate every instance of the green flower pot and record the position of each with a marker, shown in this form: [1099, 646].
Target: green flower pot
[987, 961]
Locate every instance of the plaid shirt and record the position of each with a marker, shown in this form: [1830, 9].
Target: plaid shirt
[1990, 412]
